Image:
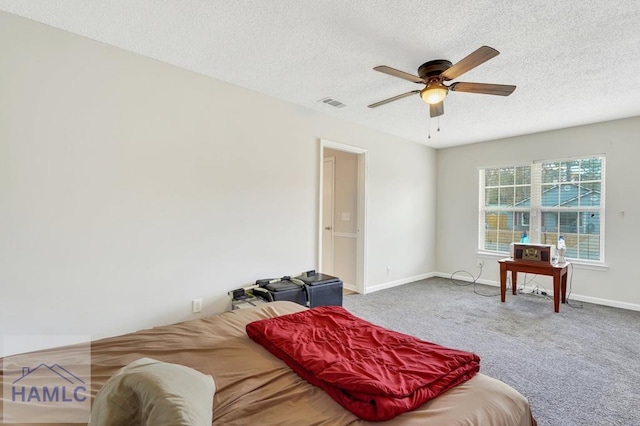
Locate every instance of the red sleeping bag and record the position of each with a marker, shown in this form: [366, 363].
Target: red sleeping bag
[373, 372]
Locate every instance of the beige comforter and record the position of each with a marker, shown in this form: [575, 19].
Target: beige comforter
[254, 387]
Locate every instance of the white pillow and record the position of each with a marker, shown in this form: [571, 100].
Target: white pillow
[154, 393]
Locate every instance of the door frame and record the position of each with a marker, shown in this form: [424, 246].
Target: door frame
[332, 161]
[361, 233]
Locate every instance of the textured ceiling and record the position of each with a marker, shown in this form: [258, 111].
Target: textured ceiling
[574, 61]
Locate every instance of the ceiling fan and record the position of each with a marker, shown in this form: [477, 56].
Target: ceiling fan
[434, 73]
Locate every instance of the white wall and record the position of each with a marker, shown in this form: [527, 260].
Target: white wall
[457, 212]
[129, 187]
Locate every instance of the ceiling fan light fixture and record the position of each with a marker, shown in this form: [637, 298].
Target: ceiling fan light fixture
[434, 93]
[434, 73]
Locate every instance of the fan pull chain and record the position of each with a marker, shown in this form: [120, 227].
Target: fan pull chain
[429, 126]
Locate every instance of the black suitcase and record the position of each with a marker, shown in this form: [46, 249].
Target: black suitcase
[281, 289]
[322, 289]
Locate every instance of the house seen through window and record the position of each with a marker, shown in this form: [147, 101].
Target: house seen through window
[538, 202]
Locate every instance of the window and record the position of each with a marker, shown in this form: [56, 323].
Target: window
[538, 202]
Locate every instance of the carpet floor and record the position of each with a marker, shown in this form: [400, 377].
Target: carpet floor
[580, 366]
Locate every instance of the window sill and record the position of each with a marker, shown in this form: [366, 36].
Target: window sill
[578, 264]
[492, 255]
[593, 266]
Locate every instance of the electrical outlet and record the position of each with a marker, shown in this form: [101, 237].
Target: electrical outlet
[388, 270]
[480, 263]
[196, 306]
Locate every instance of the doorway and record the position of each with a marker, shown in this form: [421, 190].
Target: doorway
[342, 214]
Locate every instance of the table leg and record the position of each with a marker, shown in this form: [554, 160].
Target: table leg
[564, 286]
[503, 281]
[514, 282]
[556, 291]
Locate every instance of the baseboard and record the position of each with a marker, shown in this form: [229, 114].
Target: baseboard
[574, 296]
[605, 302]
[466, 277]
[349, 287]
[396, 283]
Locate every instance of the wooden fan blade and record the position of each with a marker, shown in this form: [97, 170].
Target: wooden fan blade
[436, 110]
[395, 98]
[480, 56]
[483, 88]
[397, 73]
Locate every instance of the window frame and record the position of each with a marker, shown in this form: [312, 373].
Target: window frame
[536, 210]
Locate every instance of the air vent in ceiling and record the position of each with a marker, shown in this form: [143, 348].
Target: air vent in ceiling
[332, 102]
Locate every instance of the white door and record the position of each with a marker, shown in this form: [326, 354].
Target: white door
[328, 165]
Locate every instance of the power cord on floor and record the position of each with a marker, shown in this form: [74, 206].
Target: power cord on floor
[543, 292]
[474, 281]
[569, 293]
[537, 290]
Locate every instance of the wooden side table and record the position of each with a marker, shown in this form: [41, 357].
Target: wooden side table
[556, 270]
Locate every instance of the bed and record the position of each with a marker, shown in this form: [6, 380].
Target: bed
[254, 387]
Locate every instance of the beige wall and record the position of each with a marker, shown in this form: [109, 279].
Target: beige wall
[458, 203]
[128, 187]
